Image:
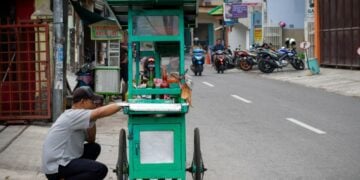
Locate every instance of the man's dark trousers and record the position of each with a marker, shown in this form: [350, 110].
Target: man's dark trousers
[84, 167]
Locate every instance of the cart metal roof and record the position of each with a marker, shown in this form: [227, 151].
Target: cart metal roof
[120, 8]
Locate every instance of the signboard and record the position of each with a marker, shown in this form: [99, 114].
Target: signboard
[305, 45]
[257, 19]
[258, 35]
[239, 10]
[230, 22]
[252, 1]
[235, 10]
[105, 30]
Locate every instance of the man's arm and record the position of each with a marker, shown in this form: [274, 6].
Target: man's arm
[105, 111]
[91, 132]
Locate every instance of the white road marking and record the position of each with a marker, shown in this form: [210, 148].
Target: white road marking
[208, 84]
[240, 98]
[318, 131]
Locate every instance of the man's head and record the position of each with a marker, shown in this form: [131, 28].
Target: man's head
[85, 98]
[218, 41]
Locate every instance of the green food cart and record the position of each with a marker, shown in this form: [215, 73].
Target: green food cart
[156, 114]
[107, 36]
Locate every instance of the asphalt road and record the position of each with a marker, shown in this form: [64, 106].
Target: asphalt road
[251, 128]
[256, 128]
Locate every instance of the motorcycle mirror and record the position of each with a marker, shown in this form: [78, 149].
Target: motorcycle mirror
[358, 51]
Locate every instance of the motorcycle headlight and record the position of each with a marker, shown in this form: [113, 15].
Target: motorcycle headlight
[198, 57]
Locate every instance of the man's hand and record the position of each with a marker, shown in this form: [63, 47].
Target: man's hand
[107, 110]
[122, 104]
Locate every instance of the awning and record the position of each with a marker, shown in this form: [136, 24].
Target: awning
[216, 11]
[120, 8]
[85, 15]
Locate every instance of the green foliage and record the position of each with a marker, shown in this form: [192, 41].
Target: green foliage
[301, 56]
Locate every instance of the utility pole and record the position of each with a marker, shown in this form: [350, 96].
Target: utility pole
[59, 59]
[224, 32]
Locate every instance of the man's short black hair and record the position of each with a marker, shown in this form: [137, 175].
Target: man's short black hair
[85, 92]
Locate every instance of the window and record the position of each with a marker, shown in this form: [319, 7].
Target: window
[155, 25]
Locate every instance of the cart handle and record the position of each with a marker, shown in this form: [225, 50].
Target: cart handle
[155, 107]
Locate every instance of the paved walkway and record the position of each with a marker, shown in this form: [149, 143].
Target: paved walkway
[21, 160]
[340, 81]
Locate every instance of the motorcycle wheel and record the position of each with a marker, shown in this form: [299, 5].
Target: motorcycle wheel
[196, 73]
[199, 73]
[244, 65]
[265, 67]
[197, 159]
[299, 65]
[222, 68]
[122, 166]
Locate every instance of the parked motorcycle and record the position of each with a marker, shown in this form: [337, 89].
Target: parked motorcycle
[229, 59]
[246, 59]
[270, 60]
[85, 75]
[198, 59]
[290, 56]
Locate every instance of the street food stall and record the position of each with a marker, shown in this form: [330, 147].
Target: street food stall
[159, 95]
[107, 37]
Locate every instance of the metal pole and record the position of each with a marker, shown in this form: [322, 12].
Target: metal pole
[58, 55]
[224, 27]
[223, 32]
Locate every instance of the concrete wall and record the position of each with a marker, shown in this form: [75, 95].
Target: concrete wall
[297, 34]
[238, 36]
[208, 19]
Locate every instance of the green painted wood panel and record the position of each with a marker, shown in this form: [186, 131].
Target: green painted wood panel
[149, 123]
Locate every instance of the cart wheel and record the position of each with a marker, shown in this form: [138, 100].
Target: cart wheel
[197, 168]
[122, 166]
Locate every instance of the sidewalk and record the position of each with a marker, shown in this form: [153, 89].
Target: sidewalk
[22, 158]
[339, 81]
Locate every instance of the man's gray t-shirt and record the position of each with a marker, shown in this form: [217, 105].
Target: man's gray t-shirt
[65, 139]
